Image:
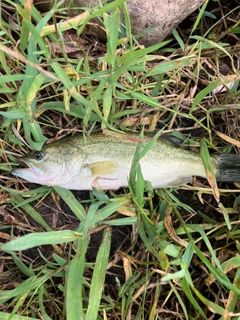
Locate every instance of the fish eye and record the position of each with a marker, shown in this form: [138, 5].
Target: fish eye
[38, 155]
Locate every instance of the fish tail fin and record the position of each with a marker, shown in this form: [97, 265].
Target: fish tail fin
[227, 167]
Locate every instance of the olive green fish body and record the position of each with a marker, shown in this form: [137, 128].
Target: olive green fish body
[163, 165]
[104, 162]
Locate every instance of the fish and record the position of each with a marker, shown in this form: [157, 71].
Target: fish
[104, 162]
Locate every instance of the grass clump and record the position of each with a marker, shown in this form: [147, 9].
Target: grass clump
[138, 254]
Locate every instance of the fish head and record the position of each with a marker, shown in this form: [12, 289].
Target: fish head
[51, 166]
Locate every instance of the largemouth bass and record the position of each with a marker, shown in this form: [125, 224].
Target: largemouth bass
[104, 162]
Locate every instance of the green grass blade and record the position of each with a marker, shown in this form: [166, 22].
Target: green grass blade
[14, 114]
[68, 84]
[121, 222]
[32, 128]
[219, 276]
[204, 92]
[7, 316]
[200, 15]
[19, 201]
[88, 223]
[40, 238]
[98, 277]
[74, 286]
[171, 65]
[107, 102]
[41, 303]
[233, 298]
[109, 209]
[75, 111]
[191, 298]
[127, 23]
[25, 287]
[72, 202]
[133, 56]
[13, 77]
[34, 32]
[211, 305]
[24, 269]
[178, 38]
[112, 27]
[181, 302]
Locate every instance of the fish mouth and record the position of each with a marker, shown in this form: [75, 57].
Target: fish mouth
[25, 165]
[25, 168]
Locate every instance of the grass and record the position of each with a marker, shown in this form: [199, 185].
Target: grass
[137, 253]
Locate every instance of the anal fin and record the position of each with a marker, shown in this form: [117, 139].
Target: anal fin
[180, 181]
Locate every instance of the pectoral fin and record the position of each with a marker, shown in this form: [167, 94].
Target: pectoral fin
[101, 168]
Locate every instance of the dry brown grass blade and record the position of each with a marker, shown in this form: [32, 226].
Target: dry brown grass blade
[228, 139]
[18, 56]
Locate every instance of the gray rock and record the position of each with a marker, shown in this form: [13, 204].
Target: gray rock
[161, 15]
